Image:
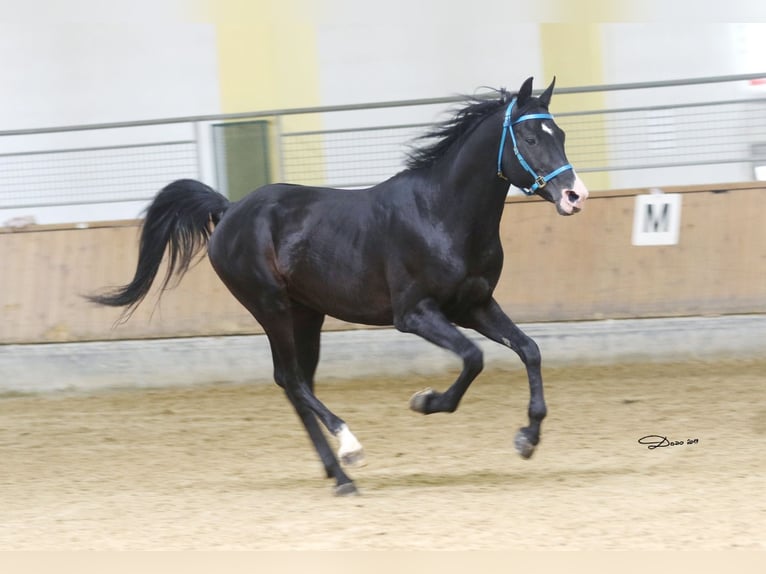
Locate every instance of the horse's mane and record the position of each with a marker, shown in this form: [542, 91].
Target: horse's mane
[465, 119]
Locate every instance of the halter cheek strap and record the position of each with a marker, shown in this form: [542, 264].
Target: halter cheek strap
[540, 181]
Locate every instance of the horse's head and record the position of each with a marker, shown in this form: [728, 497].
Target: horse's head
[533, 157]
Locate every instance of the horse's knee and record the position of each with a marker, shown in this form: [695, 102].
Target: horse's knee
[530, 353]
[473, 360]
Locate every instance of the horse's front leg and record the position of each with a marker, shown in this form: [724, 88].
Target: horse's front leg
[428, 321]
[493, 323]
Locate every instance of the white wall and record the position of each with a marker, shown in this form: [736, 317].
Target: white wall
[655, 51]
[85, 66]
[60, 73]
[423, 49]
[412, 50]
[73, 73]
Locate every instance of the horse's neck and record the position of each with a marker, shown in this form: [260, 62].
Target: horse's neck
[471, 191]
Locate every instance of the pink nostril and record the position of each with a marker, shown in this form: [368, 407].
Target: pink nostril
[573, 199]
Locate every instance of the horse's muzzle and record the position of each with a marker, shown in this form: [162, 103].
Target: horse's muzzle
[573, 199]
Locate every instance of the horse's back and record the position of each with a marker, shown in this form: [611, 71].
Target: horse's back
[322, 246]
[289, 210]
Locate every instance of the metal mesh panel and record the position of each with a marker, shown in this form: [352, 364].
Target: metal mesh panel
[346, 158]
[683, 135]
[633, 146]
[602, 141]
[93, 175]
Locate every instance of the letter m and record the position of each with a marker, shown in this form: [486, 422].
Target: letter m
[657, 221]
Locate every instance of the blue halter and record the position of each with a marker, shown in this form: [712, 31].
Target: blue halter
[540, 181]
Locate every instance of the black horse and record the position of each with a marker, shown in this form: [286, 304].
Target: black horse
[420, 251]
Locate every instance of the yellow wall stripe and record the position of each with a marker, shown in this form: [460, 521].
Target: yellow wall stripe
[572, 52]
[267, 53]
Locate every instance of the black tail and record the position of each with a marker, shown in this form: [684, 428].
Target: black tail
[178, 219]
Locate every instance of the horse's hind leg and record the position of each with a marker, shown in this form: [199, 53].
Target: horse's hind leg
[288, 375]
[343, 484]
[267, 301]
[307, 327]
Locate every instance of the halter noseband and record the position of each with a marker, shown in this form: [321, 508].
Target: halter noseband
[540, 181]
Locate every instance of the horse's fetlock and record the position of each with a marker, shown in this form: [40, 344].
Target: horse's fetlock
[537, 412]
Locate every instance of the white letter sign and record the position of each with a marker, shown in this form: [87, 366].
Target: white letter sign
[657, 219]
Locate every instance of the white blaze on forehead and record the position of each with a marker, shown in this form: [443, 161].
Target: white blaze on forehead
[547, 129]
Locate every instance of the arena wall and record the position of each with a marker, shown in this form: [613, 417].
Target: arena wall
[556, 269]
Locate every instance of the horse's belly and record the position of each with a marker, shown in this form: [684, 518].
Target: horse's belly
[350, 301]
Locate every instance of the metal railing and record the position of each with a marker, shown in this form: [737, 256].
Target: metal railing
[362, 144]
[652, 137]
[92, 175]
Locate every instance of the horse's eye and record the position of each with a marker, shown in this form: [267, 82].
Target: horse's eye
[530, 141]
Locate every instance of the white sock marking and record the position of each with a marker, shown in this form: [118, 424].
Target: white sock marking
[348, 442]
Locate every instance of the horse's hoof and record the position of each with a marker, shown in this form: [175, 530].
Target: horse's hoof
[346, 489]
[419, 401]
[353, 459]
[523, 445]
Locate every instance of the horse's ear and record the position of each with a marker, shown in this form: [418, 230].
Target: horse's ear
[524, 92]
[545, 97]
